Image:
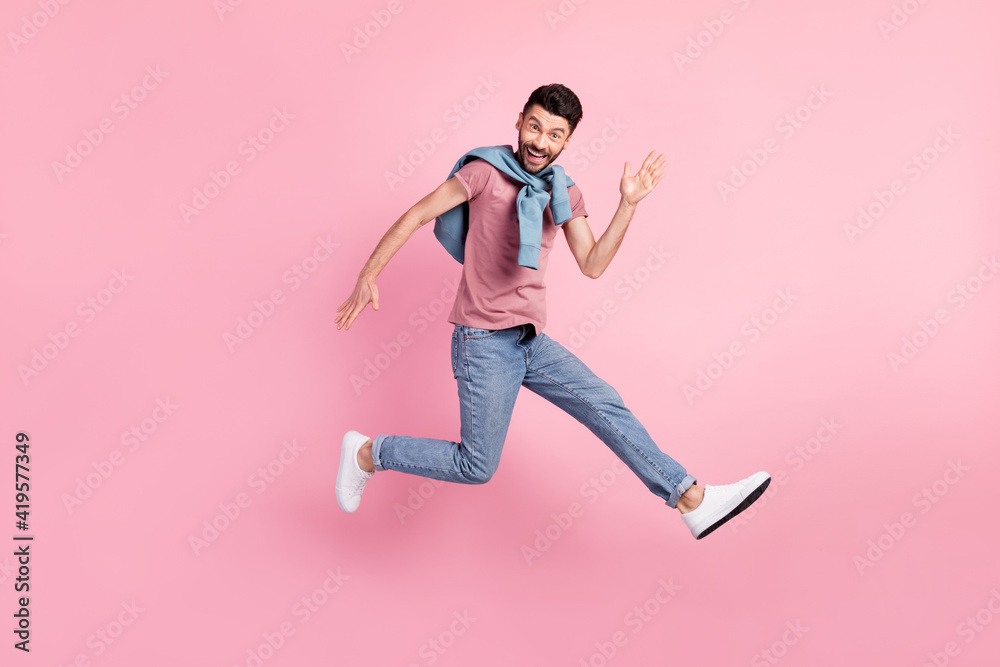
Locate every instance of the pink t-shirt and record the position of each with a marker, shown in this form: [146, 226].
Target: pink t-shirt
[495, 292]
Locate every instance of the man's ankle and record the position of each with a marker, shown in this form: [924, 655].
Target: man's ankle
[690, 499]
[365, 460]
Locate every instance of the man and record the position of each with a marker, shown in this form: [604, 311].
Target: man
[503, 235]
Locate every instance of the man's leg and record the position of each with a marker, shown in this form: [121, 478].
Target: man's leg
[488, 367]
[559, 376]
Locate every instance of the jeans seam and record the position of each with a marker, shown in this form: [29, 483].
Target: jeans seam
[472, 424]
[398, 464]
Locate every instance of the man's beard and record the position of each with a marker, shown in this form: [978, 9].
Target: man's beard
[528, 166]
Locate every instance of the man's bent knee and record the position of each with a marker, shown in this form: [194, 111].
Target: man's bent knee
[477, 475]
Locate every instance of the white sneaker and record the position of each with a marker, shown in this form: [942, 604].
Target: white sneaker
[351, 479]
[722, 503]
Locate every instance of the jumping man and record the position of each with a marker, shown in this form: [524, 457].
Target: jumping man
[497, 214]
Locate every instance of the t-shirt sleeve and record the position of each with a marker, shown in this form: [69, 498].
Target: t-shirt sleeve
[474, 176]
[576, 201]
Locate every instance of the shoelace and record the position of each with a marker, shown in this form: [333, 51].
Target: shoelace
[359, 483]
[723, 486]
[735, 486]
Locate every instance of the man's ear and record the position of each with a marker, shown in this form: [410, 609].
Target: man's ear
[520, 119]
[566, 143]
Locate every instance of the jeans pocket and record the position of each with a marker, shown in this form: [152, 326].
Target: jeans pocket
[454, 354]
[475, 332]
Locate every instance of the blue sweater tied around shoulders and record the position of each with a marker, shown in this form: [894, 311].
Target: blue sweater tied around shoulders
[548, 185]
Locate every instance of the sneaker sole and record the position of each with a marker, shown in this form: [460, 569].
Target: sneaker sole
[747, 502]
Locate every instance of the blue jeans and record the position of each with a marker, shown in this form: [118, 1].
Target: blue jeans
[490, 366]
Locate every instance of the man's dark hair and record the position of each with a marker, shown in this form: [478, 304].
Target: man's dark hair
[558, 100]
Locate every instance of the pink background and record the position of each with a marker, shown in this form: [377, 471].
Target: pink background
[843, 548]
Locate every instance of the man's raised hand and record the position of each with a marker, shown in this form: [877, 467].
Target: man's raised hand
[634, 188]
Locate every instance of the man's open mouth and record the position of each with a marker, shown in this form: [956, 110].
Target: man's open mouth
[534, 156]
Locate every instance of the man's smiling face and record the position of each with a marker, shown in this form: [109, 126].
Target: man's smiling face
[541, 138]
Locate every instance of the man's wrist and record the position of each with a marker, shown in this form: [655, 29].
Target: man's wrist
[625, 205]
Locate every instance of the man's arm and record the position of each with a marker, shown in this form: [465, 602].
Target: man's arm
[447, 196]
[594, 257]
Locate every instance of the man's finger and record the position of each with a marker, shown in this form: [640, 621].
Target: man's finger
[645, 163]
[344, 320]
[350, 320]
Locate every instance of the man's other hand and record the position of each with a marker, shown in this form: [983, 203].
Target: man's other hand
[364, 292]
